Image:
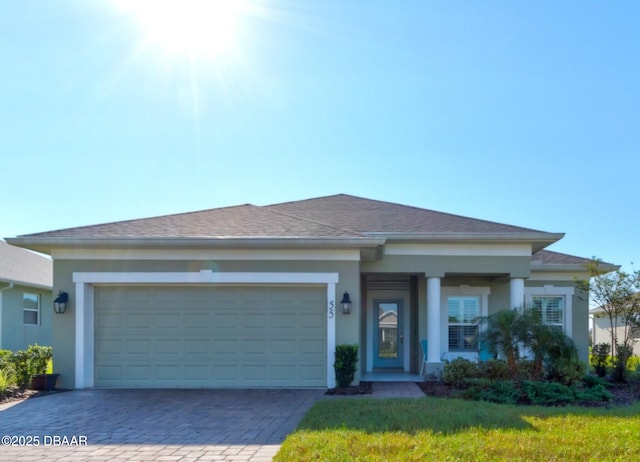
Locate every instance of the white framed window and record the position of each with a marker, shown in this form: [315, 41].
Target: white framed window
[551, 309]
[464, 306]
[31, 308]
[554, 303]
[463, 317]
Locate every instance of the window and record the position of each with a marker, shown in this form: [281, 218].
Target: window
[551, 310]
[31, 308]
[463, 314]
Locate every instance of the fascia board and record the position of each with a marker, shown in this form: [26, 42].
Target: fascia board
[45, 245]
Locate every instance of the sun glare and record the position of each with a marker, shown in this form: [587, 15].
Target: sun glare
[201, 27]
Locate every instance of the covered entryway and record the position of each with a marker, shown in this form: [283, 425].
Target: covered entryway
[210, 336]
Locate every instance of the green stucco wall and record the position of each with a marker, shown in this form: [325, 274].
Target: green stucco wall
[347, 326]
[16, 335]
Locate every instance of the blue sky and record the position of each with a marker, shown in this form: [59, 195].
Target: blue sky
[519, 112]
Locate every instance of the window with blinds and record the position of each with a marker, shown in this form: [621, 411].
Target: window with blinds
[551, 310]
[464, 314]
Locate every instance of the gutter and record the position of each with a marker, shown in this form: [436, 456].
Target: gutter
[47, 244]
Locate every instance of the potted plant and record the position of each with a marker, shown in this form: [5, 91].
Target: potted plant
[38, 358]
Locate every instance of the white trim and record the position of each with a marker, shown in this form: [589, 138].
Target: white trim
[207, 254]
[463, 250]
[463, 290]
[516, 293]
[84, 306]
[434, 299]
[553, 291]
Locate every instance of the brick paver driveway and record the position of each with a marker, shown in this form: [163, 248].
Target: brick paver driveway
[152, 425]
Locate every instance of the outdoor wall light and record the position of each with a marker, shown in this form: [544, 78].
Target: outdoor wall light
[60, 303]
[346, 303]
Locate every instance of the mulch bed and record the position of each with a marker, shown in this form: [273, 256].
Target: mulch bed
[364, 388]
[624, 394]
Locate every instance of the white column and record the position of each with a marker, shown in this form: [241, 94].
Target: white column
[517, 293]
[433, 320]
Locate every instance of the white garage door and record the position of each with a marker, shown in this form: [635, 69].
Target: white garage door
[170, 336]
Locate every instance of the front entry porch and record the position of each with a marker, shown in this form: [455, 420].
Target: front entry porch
[391, 375]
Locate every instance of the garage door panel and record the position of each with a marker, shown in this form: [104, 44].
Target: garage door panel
[210, 336]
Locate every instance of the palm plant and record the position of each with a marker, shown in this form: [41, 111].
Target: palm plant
[502, 336]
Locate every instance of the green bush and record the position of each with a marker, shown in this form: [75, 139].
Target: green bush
[495, 391]
[595, 393]
[567, 371]
[494, 369]
[38, 357]
[599, 357]
[548, 393]
[25, 363]
[345, 364]
[623, 354]
[459, 371]
[20, 361]
[527, 370]
[591, 381]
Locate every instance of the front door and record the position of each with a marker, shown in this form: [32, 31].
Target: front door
[388, 339]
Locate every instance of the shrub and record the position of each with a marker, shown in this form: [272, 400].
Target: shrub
[38, 357]
[548, 393]
[494, 369]
[595, 393]
[567, 371]
[459, 371]
[599, 356]
[20, 361]
[527, 370]
[495, 391]
[345, 364]
[6, 381]
[623, 353]
[590, 381]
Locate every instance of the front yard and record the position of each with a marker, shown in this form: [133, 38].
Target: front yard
[451, 429]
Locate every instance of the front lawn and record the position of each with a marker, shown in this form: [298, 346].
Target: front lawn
[451, 429]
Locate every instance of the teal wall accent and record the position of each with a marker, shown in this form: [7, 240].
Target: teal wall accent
[16, 335]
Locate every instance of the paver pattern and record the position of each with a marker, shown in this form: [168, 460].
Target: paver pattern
[153, 425]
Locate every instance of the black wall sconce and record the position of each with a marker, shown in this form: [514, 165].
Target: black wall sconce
[60, 303]
[346, 303]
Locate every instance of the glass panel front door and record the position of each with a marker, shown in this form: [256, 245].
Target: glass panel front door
[389, 336]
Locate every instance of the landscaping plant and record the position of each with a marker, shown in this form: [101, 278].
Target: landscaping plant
[345, 364]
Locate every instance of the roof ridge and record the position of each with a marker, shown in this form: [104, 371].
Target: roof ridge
[411, 207]
[308, 220]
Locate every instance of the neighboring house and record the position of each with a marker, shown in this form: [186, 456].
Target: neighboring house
[602, 329]
[249, 296]
[26, 306]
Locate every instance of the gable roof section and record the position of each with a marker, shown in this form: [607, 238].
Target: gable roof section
[20, 266]
[339, 220]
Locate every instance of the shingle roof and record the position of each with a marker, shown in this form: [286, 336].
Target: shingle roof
[24, 267]
[339, 216]
[366, 215]
[548, 257]
[241, 221]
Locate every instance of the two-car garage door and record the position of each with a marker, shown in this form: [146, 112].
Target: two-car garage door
[210, 336]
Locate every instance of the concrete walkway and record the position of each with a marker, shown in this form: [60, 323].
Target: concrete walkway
[396, 390]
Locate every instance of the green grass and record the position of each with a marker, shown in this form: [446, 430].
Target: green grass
[451, 429]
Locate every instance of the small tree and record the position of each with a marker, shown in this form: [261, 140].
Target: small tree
[616, 293]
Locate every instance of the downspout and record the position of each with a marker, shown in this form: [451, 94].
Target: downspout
[10, 286]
